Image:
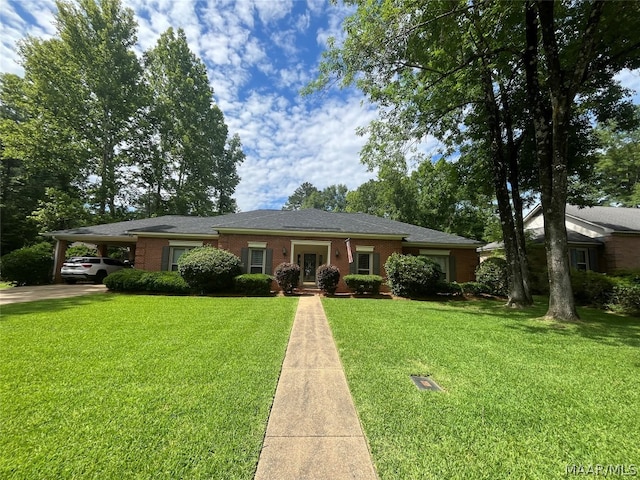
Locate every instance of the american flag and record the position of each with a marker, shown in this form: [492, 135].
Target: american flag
[349, 254]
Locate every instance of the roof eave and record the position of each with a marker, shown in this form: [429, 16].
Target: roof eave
[441, 245]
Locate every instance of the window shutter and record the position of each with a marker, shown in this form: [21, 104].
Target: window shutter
[376, 263]
[244, 258]
[573, 255]
[452, 269]
[164, 264]
[353, 266]
[593, 259]
[268, 262]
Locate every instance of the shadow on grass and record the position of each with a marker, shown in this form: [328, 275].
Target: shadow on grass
[596, 325]
[52, 305]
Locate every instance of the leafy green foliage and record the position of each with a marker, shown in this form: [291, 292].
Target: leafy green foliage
[187, 164]
[28, 265]
[209, 269]
[80, 251]
[364, 283]
[494, 274]
[474, 288]
[142, 281]
[625, 298]
[410, 276]
[591, 288]
[327, 278]
[331, 199]
[254, 284]
[288, 276]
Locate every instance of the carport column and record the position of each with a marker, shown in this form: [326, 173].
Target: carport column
[102, 250]
[58, 259]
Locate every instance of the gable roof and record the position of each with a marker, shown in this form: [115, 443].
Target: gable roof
[617, 219]
[272, 221]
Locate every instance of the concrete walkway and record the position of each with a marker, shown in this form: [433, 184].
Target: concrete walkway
[313, 430]
[45, 292]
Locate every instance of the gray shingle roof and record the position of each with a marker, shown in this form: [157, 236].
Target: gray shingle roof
[616, 218]
[334, 222]
[275, 220]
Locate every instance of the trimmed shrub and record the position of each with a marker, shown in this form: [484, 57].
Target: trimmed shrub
[360, 284]
[409, 275]
[28, 265]
[253, 284]
[448, 288]
[208, 269]
[591, 288]
[288, 276]
[327, 277]
[80, 251]
[493, 273]
[141, 281]
[625, 298]
[474, 288]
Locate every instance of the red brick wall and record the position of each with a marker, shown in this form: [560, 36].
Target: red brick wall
[622, 252]
[149, 252]
[466, 261]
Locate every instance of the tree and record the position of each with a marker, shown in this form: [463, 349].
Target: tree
[98, 39]
[571, 47]
[298, 197]
[618, 166]
[187, 164]
[466, 72]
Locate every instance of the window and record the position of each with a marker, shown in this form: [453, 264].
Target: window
[364, 263]
[174, 255]
[441, 258]
[256, 260]
[580, 259]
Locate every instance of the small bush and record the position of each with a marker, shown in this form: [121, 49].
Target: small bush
[140, 281]
[493, 273]
[288, 276]
[625, 298]
[80, 251]
[409, 275]
[448, 288]
[360, 284]
[28, 265]
[208, 269]
[591, 288]
[253, 284]
[327, 277]
[474, 288]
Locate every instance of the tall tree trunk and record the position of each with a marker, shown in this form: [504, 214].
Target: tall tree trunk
[519, 296]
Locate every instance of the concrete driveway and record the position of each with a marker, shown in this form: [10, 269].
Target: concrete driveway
[45, 292]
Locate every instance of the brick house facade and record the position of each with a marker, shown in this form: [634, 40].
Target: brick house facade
[263, 239]
[601, 239]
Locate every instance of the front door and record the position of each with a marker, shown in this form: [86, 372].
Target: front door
[309, 267]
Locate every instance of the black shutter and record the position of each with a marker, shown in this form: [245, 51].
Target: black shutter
[244, 258]
[353, 266]
[573, 257]
[268, 262]
[376, 263]
[164, 264]
[593, 259]
[452, 269]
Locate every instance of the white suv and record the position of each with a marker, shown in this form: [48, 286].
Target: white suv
[89, 268]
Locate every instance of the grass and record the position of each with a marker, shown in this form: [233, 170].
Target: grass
[116, 386]
[523, 398]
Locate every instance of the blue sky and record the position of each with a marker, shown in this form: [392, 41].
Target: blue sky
[259, 53]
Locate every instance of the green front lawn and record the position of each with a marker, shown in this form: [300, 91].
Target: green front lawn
[523, 398]
[116, 386]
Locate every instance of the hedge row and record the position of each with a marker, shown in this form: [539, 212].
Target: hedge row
[28, 265]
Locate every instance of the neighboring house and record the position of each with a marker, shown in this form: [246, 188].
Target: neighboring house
[602, 239]
[265, 238]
